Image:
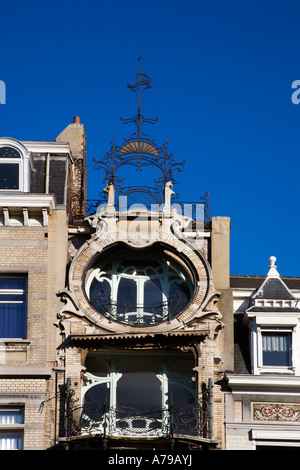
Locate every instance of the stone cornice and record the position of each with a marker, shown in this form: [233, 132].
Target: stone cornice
[263, 383]
[47, 147]
[27, 200]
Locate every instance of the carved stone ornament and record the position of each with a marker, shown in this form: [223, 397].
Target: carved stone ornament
[110, 231]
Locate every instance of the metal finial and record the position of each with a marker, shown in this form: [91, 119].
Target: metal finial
[140, 151]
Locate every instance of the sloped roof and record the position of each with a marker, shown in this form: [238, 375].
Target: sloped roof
[254, 281]
[274, 289]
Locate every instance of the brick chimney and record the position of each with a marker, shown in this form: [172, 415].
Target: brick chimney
[75, 135]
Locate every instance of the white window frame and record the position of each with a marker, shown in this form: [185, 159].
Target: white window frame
[24, 162]
[12, 428]
[16, 162]
[23, 301]
[290, 369]
[275, 321]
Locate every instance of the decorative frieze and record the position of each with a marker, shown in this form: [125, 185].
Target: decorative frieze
[276, 412]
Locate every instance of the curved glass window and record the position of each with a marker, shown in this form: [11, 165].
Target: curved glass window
[9, 152]
[139, 287]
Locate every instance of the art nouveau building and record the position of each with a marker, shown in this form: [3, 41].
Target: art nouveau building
[120, 325]
[142, 334]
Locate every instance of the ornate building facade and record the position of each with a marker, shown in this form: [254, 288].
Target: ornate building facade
[120, 325]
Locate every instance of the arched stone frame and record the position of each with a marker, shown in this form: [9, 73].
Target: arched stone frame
[203, 302]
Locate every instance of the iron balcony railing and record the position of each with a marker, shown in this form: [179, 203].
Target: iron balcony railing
[140, 314]
[104, 420]
[121, 421]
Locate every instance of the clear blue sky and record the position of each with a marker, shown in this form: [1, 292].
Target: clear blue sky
[222, 74]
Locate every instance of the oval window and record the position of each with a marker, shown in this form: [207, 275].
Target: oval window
[139, 287]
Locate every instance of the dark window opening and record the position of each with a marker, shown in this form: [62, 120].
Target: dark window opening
[9, 176]
[276, 349]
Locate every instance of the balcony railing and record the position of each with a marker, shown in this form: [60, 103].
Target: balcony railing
[123, 421]
[117, 421]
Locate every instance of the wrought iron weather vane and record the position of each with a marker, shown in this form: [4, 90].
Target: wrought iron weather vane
[140, 151]
[143, 82]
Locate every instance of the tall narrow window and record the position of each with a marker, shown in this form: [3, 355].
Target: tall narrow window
[10, 167]
[13, 307]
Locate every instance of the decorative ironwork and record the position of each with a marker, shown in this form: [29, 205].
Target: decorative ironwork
[135, 196]
[131, 422]
[139, 315]
[125, 421]
[139, 151]
[187, 420]
[142, 144]
[100, 419]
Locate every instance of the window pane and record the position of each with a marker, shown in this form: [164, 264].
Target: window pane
[181, 396]
[12, 320]
[11, 416]
[276, 349]
[97, 396]
[13, 283]
[96, 401]
[97, 366]
[152, 293]
[11, 441]
[9, 176]
[179, 296]
[9, 152]
[13, 307]
[127, 295]
[139, 390]
[100, 295]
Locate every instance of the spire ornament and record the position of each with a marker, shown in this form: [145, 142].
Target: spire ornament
[140, 151]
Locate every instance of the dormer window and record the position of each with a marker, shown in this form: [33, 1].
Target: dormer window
[14, 166]
[273, 319]
[10, 160]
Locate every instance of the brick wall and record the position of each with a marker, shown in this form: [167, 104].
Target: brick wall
[41, 253]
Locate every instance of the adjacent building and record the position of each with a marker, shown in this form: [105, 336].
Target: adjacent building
[262, 408]
[120, 324]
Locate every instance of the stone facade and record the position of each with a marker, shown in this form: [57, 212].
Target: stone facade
[33, 247]
[33, 252]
